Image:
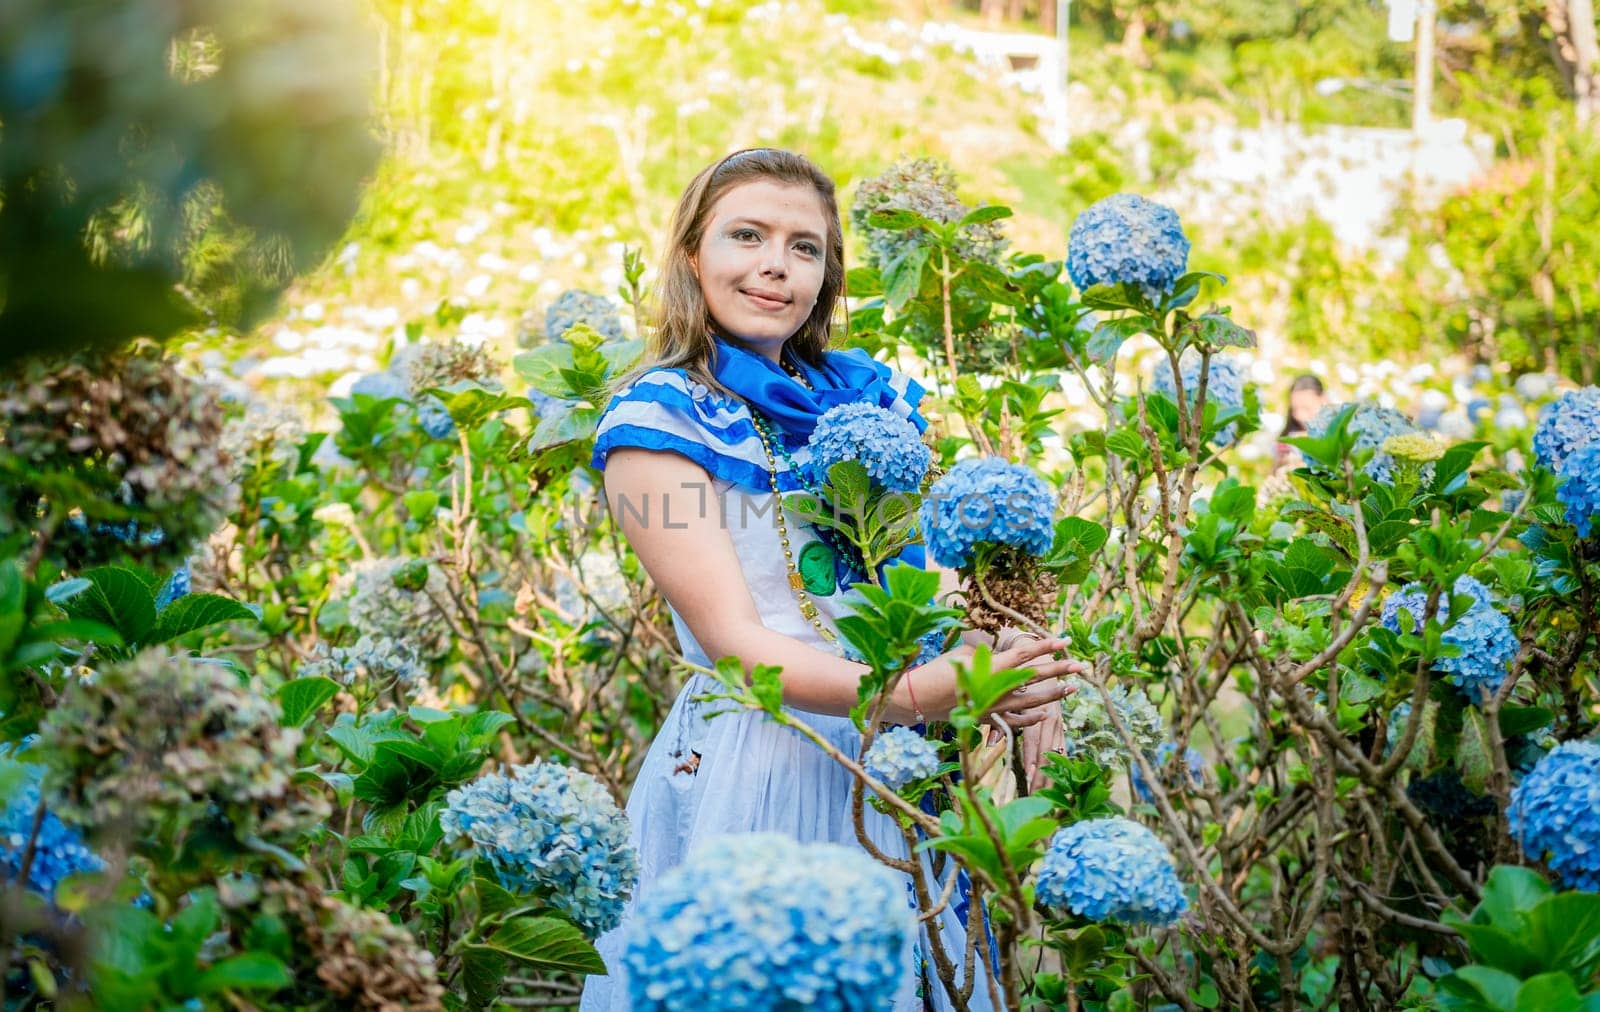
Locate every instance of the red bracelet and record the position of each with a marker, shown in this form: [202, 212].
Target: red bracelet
[912, 693]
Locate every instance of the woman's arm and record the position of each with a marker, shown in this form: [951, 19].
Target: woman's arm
[693, 562]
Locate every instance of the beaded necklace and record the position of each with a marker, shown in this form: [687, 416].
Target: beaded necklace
[797, 584]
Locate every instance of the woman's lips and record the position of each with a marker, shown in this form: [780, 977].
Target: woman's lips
[765, 301]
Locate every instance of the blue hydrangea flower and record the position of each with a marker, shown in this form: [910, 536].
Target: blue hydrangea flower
[1555, 813]
[1192, 758]
[932, 645]
[1484, 635]
[577, 306]
[888, 446]
[552, 831]
[1371, 424]
[1224, 386]
[435, 418]
[383, 385]
[990, 500]
[58, 850]
[1579, 489]
[900, 755]
[1570, 423]
[758, 921]
[177, 586]
[1110, 869]
[1127, 239]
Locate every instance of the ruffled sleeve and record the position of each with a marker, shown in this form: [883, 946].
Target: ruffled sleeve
[667, 411]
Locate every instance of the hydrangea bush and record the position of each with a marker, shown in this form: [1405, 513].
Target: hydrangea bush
[900, 755]
[1483, 636]
[986, 501]
[1126, 239]
[1372, 425]
[1111, 869]
[759, 921]
[553, 832]
[1555, 813]
[887, 445]
[1224, 386]
[1567, 425]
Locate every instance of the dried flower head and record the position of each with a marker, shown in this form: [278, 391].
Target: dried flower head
[125, 444]
[158, 742]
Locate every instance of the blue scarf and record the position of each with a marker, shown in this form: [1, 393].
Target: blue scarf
[846, 377]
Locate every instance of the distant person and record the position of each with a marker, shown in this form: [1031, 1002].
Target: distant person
[1306, 398]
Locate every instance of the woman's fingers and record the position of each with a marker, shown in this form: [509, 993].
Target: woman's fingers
[1045, 687]
[1019, 719]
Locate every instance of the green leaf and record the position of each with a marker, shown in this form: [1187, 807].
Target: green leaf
[302, 697]
[984, 215]
[563, 425]
[1494, 988]
[13, 605]
[1109, 335]
[483, 970]
[547, 943]
[1548, 992]
[1220, 331]
[413, 750]
[1564, 932]
[1515, 720]
[902, 278]
[246, 971]
[543, 369]
[120, 598]
[421, 503]
[194, 612]
[899, 220]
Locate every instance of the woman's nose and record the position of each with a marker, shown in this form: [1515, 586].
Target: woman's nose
[773, 265]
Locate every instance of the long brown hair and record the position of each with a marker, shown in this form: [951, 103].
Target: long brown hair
[682, 333]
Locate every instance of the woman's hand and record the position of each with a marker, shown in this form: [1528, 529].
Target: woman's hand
[928, 692]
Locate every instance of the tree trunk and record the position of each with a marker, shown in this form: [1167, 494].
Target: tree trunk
[1047, 16]
[1577, 53]
[993, 10]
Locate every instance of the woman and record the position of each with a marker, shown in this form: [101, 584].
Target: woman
[1306, 398]
[693, 446]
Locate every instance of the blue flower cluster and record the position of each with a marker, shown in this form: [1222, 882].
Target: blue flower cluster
[1372, 425]
[1224, 386]
[177, 586]
[552, 831]
[758, 921]
[577, 306]
[1192, 758]
[1569, 424]
[991, 500]
[432, 416]
[1579, 490]
[930, 646]
[1127, 239]
[58, 851]
[1111, 869]
[1555, 813]
[900, 755]
[1484, 635]
[888, 446]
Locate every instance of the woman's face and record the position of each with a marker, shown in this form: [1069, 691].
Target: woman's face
[1304, 405]
[761, 261]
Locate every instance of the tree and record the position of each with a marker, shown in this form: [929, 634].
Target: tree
[164, 164]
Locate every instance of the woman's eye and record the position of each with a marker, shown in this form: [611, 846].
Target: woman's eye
[746, 234]
[809, 249]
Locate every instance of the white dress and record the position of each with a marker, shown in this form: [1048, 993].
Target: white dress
[714, 769]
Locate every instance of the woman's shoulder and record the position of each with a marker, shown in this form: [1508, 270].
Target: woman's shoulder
[672, 383]
[666, 408]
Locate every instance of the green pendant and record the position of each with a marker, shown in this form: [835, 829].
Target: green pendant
[817, 569]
